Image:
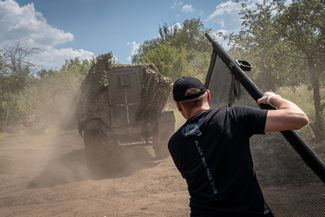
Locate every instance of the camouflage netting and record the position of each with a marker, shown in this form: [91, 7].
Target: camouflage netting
[289, 186]
[97, 77]
[96, 80]
[155, 92]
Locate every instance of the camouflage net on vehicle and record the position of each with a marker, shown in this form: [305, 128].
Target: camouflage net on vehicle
[155, 92]
[95, 81]
[97, 77]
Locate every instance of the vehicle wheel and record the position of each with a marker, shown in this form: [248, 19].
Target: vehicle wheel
[97, 151]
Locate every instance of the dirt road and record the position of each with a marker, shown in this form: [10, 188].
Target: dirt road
[46, 175]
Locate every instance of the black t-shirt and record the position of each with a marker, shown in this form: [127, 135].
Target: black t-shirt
[211, 151]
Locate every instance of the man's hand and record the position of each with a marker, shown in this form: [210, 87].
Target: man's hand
[287, 116]
[266, 99]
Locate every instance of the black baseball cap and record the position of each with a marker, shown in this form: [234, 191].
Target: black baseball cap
[188, 88]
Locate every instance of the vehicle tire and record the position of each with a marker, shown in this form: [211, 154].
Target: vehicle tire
[97, 151]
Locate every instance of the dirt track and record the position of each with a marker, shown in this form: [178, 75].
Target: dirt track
[46, 175]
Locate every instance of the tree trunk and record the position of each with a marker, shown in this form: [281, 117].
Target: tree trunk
[315, 82]
[266, 69]
[5, 122]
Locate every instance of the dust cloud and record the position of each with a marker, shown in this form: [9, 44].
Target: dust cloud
[48, 175]
[51, 151]
[47, 172]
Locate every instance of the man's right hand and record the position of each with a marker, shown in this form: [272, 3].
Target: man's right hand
[287, 116]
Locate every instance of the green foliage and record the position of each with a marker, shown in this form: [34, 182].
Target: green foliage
[77, 67]
[169, 60]
[15, 68]
[52, 99]
[48, 98]
[191, 36]
[178, 51]
[286, 44]
[8, 108]
[304, 98]
[2, 136]
[15, 76]
[260, 42]
[302, 25]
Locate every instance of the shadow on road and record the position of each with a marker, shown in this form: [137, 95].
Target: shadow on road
[73, 167]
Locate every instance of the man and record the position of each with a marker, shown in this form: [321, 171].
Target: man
[211, 150]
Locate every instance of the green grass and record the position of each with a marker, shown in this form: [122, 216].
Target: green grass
[303, 97]
[2, 135]
[4, 163]
[4, 166]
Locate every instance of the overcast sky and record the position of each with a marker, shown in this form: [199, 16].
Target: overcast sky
[64, 29]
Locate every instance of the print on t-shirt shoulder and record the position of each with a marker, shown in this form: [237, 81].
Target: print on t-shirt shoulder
[193, 128]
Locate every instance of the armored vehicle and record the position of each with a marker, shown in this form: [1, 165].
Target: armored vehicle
[122, 105]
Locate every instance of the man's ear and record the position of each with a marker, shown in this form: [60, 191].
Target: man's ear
[208, 95]
[179, 107]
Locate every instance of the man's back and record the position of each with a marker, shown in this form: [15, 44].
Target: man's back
[211, 151]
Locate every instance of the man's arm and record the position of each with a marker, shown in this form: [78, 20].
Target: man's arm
[287, 116]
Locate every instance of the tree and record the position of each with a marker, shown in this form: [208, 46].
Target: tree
[302, 24]
[52, 98]
[144, 49]
[179, 50]
[16, 67]
[191, 36]
[286, 46]
[259, 42]
[15, 77]
[76, 66]
[167, 32]
[29, 98]
[167, 59]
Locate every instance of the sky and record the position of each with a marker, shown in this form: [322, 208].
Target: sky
[65, 29]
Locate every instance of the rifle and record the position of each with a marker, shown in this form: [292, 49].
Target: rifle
[236, 68]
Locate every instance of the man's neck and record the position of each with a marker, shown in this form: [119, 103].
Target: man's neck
[197, 110]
